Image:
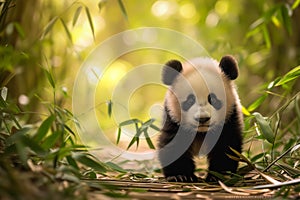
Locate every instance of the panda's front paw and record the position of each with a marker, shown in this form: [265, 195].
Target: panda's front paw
[211, 178]
[182, 178]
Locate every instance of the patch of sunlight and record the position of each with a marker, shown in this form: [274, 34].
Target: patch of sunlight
[116, 71]
[212, 19]
[187, 10]
[163, 8]
[222, 7]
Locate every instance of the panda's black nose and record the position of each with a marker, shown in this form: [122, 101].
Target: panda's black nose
[202, 120]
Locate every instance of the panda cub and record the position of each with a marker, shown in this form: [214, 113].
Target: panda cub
[202, 115]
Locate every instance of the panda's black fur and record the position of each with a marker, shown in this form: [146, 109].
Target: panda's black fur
[181, 169]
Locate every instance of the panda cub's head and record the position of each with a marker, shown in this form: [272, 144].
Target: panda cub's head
[201, 92]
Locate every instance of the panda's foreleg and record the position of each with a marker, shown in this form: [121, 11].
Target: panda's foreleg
[176, 157]
[218, 159]
[180, 170]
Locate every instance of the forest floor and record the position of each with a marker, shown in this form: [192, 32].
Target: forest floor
[153, 190]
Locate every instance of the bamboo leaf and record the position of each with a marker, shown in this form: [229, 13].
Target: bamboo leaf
[285, 10]
[291, 75]
[155, 127]
[231, 190]
[234, 158]
[245, 111]
[136, 139]
[133, 140]
[86, 160]
[20, 30]
[266, 36]
[44, 128]
[119, 135]
[149, 142]
[295, 4]
[257, 102]
[69, 129]
[281, 184]
[256, 157]
[129, 122]
[87, 11]
[50, 78]
[69, 35]
[72, 162]
[109, 107]
[123, 9]
[147, 124]
[264, 127]
[51, 140]
[242, 157]
[49, 27]
[33, 145]
[268, 178]
[115, 167]
[76, 15]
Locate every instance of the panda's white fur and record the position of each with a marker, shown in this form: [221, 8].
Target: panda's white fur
[201, 76]
[201, 100]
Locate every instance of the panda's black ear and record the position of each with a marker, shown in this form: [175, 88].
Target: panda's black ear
[171, 69]
[229, 66]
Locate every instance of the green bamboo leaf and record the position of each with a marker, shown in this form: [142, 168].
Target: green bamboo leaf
[49, 27]
[76, 15]
[154, 127]
[72, 162]
[264, 127]
[51, 140]
[20, 30]
[136, 138]
[44, 128]
[273, 83]
[285, 10]
[109, 107]
[147, 124]
[257, 157]
[86, 160]
[266, 36]
[149, 142]
[129, 122]
[33, 145]
[257, 102]
[69, 130]
[295, 4]
[291, 75]
[133, 140]
[22, 152]
[50, 78]
[242, 157]
[115, 167]
[245, 111]
[69, 35]
[119, 135]
[123, 9]
[87, 11]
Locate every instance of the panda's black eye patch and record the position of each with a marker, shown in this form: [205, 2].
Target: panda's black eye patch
[187, 104]
[214, 101]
